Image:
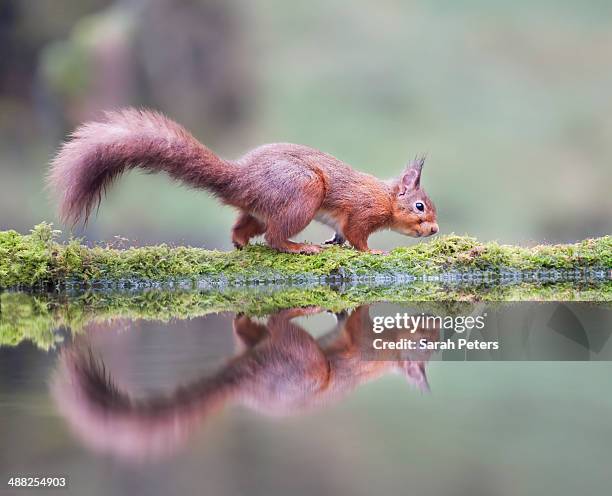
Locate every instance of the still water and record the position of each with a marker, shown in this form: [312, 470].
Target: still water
[297, 402]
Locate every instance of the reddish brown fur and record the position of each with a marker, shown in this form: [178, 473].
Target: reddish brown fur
[282, 370]
[278, 188]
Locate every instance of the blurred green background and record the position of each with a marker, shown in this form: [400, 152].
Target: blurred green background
[511, 100]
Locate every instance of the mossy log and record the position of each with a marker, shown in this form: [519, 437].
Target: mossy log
[38, 260]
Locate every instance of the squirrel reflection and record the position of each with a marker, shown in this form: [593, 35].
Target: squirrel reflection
[282, 370]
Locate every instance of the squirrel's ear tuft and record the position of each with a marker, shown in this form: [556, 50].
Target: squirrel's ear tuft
[418, 162]
[411, 177]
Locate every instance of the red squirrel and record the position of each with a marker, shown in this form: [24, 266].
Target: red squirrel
[278, 188]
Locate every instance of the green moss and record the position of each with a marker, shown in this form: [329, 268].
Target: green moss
[27, 318]
[35, 318]
[38, 259]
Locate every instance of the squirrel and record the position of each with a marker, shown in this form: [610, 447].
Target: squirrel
[278, 188]
[280, 370]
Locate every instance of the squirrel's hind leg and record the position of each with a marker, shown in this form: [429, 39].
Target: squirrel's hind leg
[285, 224]
[248, 333]
[246, 227]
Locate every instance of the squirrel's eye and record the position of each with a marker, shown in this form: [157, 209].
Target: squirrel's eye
[419, 206]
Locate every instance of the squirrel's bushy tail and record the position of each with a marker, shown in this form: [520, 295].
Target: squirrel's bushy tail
[110, 420]
[99, 151]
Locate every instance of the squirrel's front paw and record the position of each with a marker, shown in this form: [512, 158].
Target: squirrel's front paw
[338, 239]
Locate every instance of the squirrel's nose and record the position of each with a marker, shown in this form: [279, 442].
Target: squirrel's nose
[434, 228]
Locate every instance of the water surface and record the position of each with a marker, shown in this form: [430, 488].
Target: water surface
[296, 402]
